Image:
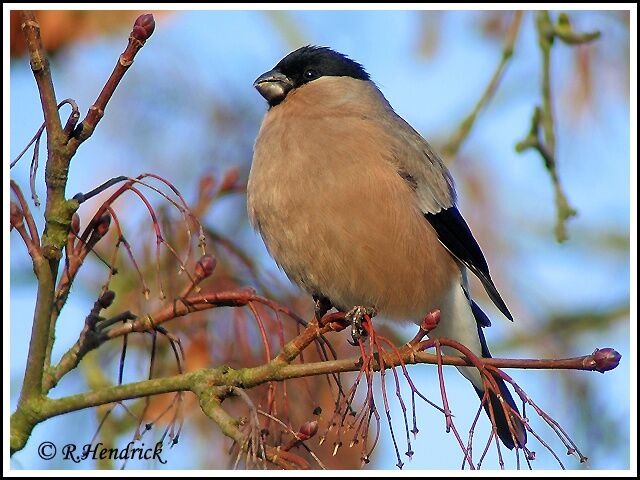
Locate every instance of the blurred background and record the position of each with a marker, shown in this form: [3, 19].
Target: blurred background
[187, 111]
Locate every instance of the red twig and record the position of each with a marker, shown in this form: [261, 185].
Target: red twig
[26, 211]
[142, 30]
[448, 417]
[122, 239]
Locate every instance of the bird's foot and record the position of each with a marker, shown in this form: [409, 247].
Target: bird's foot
[356, 316]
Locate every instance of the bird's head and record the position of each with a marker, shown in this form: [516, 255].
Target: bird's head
[304, 66]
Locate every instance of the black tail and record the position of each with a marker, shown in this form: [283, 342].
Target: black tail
[502, 426]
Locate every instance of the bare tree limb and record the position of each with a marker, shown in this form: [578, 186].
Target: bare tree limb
[543, 118]
[58, 213]
[142, 30]
[452, 146]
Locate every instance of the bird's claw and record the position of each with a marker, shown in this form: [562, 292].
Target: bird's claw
[356, 316]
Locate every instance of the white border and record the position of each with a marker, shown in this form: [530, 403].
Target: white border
[328, 6]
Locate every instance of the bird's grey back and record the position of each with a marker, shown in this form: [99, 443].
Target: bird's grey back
[417, 162]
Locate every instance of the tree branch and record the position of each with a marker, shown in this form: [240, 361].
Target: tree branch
[452, 147]
[280, 368]
[543, 119]
[58, 212]
[196, 303]
[31, 224]
[142, 29]
[56, 173]
[40, 67]
[90, 340]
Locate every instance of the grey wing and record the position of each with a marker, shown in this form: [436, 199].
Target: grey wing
[418, 164]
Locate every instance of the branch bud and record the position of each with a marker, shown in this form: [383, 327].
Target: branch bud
[308, 430]
[106, 299]
[431, 320]
[103, 225]
[16, 216]
[143, 27]
[75, 223]
[606, 359]
[206, 187]
[205, 266]
[229, 180]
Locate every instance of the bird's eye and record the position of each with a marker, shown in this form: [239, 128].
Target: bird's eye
[310, 74]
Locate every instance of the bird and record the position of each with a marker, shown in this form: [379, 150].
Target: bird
[357, 208]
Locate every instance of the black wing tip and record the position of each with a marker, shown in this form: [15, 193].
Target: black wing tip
[456, 236]
[491, 290]
[502, 306]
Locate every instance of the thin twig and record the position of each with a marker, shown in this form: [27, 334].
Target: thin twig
[543, 118]
[142, 29]
[452, 147]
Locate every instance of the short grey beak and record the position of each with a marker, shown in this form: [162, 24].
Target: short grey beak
[273, 86]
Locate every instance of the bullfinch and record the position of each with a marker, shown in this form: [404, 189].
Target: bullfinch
[359, 210]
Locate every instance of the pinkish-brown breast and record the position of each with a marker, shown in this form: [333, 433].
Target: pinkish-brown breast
[326, 196]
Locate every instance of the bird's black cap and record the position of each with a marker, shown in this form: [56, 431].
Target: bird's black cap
[311, 62]
[305, 65]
